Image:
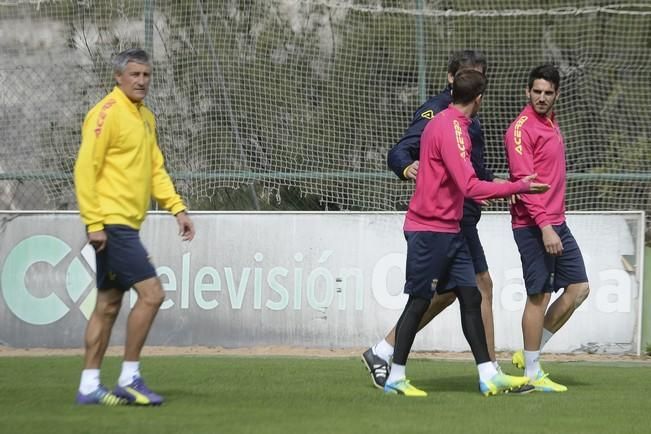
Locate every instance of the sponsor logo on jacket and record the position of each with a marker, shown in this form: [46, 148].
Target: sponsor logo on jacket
[517, 134]
[459, 136]
[102, 116]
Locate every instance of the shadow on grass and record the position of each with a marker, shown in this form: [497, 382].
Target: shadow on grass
[570, 381]
[450, 384]
[470, 383]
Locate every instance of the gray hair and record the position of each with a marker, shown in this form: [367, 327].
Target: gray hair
[137, 55]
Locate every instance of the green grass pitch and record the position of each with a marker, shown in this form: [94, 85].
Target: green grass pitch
[228, 394]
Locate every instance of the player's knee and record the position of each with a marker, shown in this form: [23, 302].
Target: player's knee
[154, 299]
[582, 292]
[418, 305]
[538, 301]
[449, 300]
[160, 298]
[150, 292]
[109, 309]
[469, 298]
[442, 301]
[485, 284]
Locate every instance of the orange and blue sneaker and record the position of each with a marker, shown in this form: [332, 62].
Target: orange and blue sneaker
[138, 393]
[503, 383]
[100, 396]
[518, 359]
[403, 387]
[542, 383]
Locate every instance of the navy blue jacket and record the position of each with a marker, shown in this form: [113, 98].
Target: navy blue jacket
[407, 150]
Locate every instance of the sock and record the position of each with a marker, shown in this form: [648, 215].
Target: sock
[546, 336]
[89, 381]
[486, 371]
[130, 370]
[384, 350]
[532, 363]
[497, 366]
[398, 372]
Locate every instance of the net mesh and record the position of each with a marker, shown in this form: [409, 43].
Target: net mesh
[288, 104]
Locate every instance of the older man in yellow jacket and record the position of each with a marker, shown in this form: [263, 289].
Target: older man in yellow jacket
[118, 170]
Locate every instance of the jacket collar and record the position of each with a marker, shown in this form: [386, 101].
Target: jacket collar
[120, 95]
[458, 114]
[529, 111]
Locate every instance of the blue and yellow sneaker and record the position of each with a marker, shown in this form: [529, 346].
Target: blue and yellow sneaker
[100, 396]
[138, 393]
[403, 387]
[502, 383]
[518, 359]
[542, 383]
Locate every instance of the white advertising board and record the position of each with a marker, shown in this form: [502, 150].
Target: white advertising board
[328, 280]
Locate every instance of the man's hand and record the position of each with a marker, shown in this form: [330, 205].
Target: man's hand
[412, 170]
[97, 239]
[551, 240]
[186, 227]
[535, 187]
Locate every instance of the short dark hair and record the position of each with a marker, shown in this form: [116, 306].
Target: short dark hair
[466, 59]
[546, 72]
[468, 85]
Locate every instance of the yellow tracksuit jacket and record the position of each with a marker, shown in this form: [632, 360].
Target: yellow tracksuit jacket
[120, 166]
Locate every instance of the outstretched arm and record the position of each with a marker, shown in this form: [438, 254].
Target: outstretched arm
[456, 159]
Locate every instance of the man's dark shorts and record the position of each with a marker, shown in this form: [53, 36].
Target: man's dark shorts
[545, 273]
[477, 254]
[437, 261]
[124, 261]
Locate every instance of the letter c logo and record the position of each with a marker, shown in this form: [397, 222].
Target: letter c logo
[31, 309]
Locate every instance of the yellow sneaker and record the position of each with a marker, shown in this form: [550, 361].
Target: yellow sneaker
[403, 387]
[501, 383]
[518, 359]
[543, 383]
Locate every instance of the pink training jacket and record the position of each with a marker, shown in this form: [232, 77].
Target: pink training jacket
[445, 176]
[534, 144]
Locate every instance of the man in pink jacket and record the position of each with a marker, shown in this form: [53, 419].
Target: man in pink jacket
[551, 258]
[438, 259]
